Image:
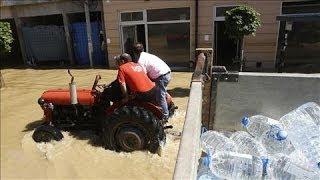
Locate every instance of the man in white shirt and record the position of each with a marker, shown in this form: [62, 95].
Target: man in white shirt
[158, 71]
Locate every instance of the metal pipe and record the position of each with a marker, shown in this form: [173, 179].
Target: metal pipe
[90, 47]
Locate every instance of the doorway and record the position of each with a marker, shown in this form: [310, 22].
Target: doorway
[13, 58]
[132, 34]
[225, 47]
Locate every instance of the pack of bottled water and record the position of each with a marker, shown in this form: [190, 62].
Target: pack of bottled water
[268, 149]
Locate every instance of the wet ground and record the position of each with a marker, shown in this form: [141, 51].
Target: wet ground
[79, 155]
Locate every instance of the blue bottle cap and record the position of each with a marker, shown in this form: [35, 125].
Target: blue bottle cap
[206, 161]
[282, 135]
[265, 163]
[245, 122]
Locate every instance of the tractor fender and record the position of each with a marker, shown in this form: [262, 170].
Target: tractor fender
[157, 111]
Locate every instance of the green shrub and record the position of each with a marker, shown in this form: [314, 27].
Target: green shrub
[242, 21]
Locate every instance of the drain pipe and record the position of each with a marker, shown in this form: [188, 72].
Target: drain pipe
[192, 63]
[196, 23]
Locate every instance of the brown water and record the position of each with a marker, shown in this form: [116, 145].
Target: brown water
[74, 156]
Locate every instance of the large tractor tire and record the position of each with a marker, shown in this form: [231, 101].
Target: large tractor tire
[46, 133]
[132, 128]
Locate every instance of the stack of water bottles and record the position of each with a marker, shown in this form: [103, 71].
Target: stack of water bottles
[268, 149]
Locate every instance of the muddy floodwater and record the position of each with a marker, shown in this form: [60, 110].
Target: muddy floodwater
[79, 155]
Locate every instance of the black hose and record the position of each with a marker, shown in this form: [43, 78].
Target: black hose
[72, 78]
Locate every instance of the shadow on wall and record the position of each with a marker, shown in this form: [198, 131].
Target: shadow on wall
[179, 92]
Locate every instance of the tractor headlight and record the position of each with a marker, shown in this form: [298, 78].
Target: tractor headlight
[41, 101]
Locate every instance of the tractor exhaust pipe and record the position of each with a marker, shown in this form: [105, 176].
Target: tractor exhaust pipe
[73, 90]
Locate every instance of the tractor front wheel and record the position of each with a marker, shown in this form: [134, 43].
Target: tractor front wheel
[46, 133]
[132, 128]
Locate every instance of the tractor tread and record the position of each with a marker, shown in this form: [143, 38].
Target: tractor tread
[136, 116]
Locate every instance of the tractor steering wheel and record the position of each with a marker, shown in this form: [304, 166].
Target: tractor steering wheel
[96, 80]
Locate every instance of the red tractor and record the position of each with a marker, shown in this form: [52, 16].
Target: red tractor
[130, 126]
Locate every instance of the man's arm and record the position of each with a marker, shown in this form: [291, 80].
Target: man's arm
[124, 92]
[123, 86]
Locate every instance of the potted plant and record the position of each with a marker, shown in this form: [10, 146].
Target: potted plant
[241, 21]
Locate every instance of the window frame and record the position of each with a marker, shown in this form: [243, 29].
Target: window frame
[131, 12]
[221, 18]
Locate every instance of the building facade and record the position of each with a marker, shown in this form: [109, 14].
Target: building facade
[206, 29]
[174, 29]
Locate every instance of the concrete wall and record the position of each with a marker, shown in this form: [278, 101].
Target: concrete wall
[189, 149]
[112, 11]
[268, 94]
[43, 9]
[23, 2]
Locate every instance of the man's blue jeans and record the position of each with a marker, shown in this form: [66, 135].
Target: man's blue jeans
[161, 92]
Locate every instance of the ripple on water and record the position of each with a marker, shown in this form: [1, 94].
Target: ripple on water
[76, 148]
[47, 150]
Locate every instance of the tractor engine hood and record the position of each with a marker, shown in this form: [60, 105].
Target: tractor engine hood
[62, 97]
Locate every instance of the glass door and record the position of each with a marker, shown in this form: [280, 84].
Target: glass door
[132, 34]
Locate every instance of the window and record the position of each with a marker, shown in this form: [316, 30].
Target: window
[301, 7]
[164, 32]
[303, 35]
[132, 16]
[220, 11]
[304, 43]
[168, 14]
[171, 42]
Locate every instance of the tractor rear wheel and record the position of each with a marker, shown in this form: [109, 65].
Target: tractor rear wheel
[132, 128]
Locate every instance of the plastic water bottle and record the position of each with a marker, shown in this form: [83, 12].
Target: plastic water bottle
[231, 165]
[313, 110]
[246, 144]
[274, 142]
[304, 134]
[212, 141]
[297, 156]
[204, 172]
[259, 124]
[284, 168]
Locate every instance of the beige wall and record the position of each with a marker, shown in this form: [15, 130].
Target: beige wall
[261, 47]
[112, 10]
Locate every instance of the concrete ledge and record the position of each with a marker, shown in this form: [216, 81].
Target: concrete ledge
[296, 75]
[189, 150]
